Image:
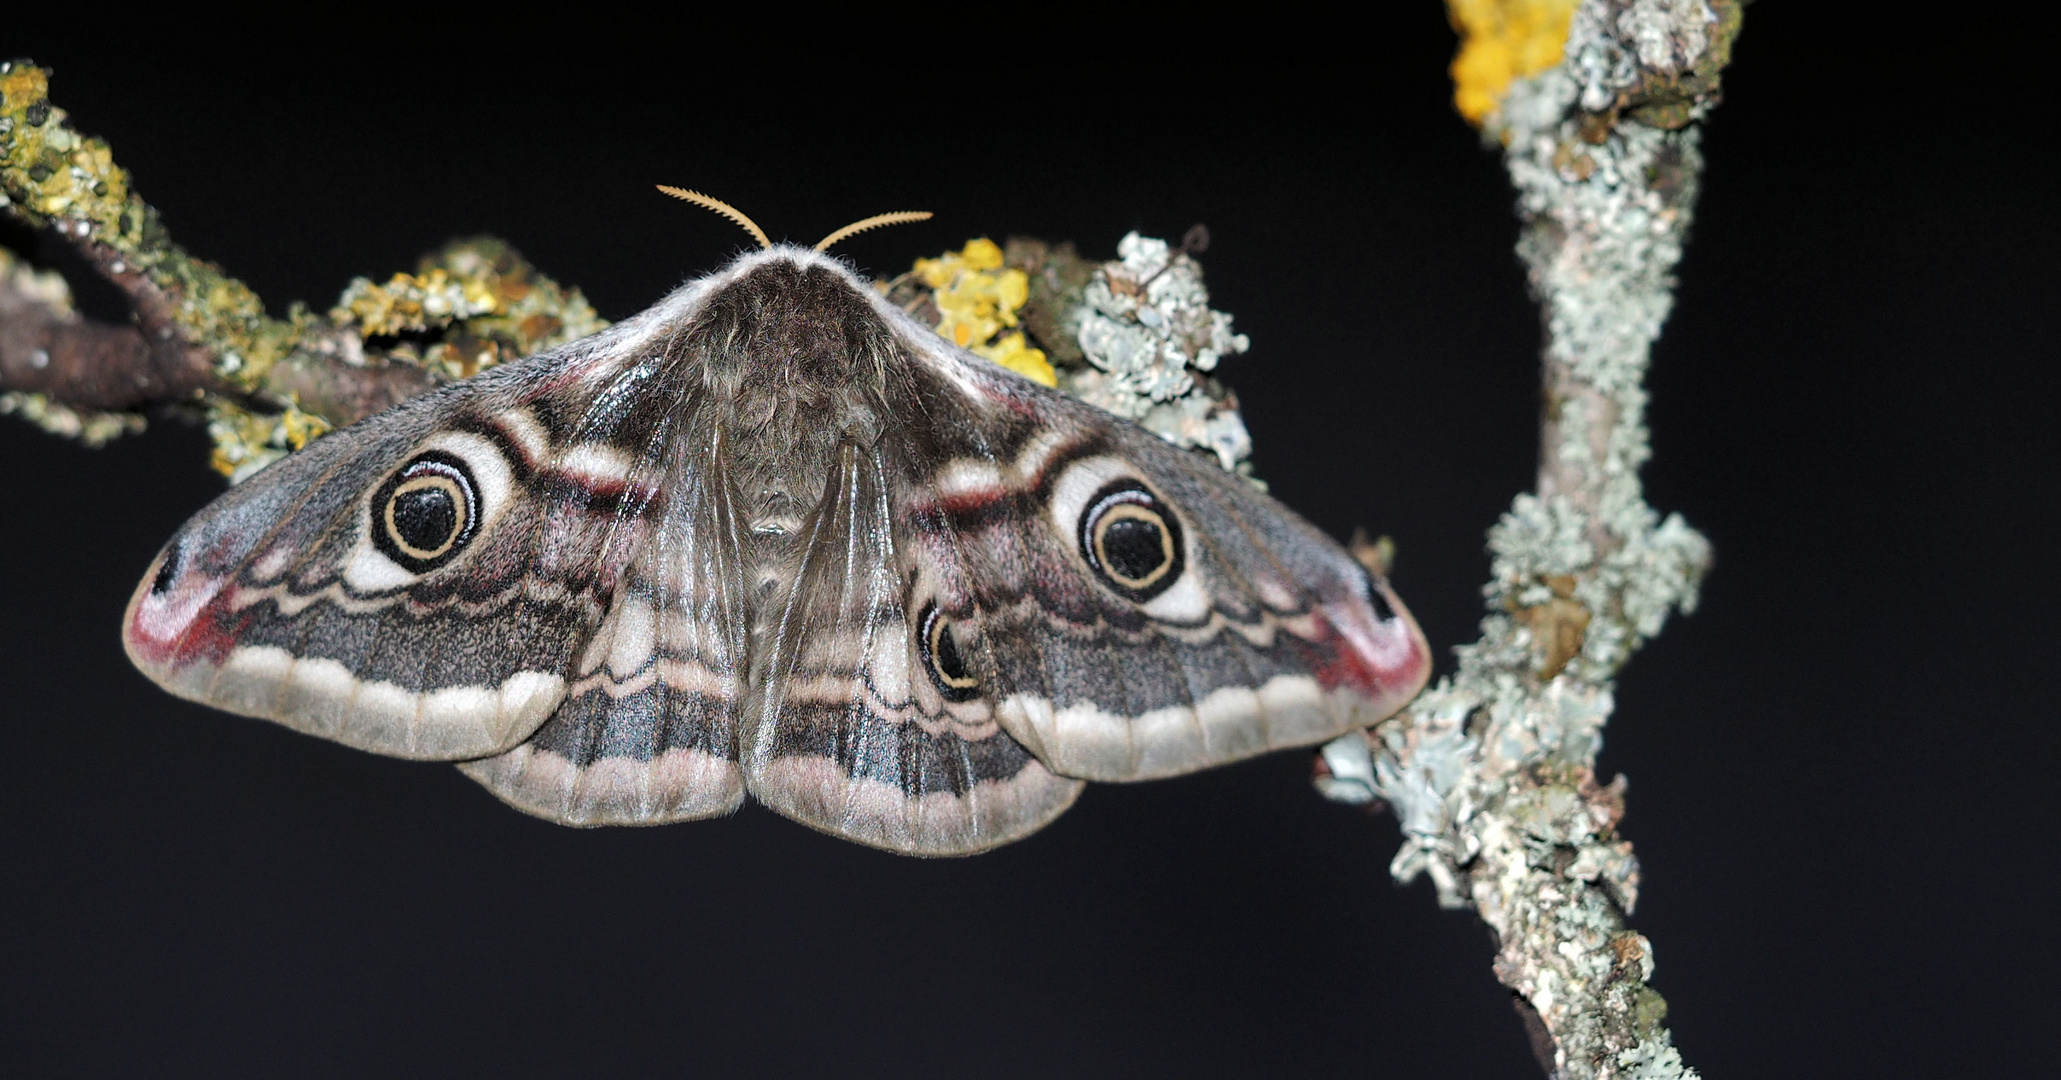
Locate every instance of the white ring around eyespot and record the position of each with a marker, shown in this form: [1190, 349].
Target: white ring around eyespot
[1074, 487]
[490, 471]
[369, 570]
[1185, 601]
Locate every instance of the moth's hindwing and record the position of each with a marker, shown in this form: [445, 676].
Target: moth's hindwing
[648, 732]
[853, 731]
[774, 535]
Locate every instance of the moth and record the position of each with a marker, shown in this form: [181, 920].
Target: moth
[773, 536]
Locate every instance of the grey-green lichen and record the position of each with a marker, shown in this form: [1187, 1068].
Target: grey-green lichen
[1145, 326]
[1134, 335]
[1491, 772]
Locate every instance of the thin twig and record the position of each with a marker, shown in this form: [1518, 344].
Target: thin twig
[201, 337]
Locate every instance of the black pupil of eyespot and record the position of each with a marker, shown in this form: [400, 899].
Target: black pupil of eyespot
[1131, 539]
[949, 663]
[425, 517]
[1133, 547]
[426, 513]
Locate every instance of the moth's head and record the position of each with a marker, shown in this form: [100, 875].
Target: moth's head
[792, 320]
[790, 316]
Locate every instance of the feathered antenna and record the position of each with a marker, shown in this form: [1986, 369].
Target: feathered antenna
[725, 209]
[874, 222]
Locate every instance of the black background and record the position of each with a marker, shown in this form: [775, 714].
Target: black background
[1842, 767]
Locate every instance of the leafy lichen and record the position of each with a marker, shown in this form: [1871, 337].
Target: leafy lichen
[1135, 336]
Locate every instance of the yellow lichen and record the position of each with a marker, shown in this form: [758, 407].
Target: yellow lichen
[1014, 353]
[1502, 41]
[50, 169]
[24, 82]
[246, 442]
[411, 302]
[976, 298]
[483, 301]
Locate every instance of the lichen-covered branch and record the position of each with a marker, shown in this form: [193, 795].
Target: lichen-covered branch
[202, 338]
[47, 348]
[1491, 773]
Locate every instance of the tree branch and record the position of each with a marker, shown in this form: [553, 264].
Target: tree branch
[1492, 772]
[47, 348]
[200, 336]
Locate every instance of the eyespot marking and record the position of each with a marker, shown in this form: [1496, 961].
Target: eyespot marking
[426, 512]
[1132, 540]
[942, 658]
